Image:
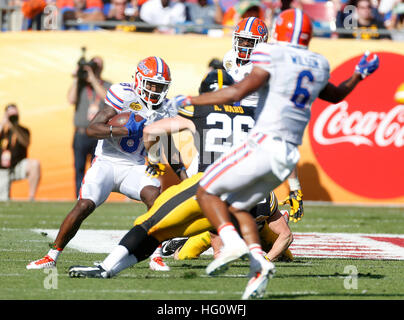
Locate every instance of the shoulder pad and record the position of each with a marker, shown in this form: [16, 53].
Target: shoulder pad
[229, 60]
[187, 111]
[262, 53]
[119, 94]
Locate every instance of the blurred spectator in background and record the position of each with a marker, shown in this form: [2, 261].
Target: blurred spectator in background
[163, 12]
[125, 11]
[81, 11]
[393, 11]
[11, 15]
[117, 11]
[362, 18]
[14, 165]
[33, 12]
[398, 15]
[87, 93]
[204, 12]
[243, 9]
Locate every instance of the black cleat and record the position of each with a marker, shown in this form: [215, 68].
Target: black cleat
[170, 246]
[87, 272]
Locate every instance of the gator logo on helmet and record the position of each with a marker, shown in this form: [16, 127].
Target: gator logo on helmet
[142, 66]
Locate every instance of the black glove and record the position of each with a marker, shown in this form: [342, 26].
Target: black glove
[155, 169]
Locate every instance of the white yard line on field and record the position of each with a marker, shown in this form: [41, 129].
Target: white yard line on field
[306, 244]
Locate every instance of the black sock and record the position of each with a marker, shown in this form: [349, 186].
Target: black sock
[139, 243]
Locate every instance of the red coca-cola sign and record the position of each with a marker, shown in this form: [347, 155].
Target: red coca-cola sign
[359, 142]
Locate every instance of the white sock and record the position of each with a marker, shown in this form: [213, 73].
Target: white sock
[54, 253]
[256, 257]
[118, 260]
[256, 250]
[229, 234]
[157, 252]
[123, 264]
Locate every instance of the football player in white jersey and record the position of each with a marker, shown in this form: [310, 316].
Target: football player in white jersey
[119, 163]
[288, 77]
[246, 36]
[248, 33]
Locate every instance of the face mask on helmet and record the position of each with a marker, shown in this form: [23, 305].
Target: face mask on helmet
[215, 80]
[152, 81]
[244, 46]
[152, 91]
[248, 33]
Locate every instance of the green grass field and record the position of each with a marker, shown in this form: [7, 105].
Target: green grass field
[304, 278]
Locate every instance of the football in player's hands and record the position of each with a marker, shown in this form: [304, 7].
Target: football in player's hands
[121, 119]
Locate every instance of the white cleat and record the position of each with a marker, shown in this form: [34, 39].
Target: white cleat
[226, 256]
[158, 264]
[260, 272]
[44, 263]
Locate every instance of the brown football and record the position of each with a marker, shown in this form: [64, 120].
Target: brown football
[121, 119]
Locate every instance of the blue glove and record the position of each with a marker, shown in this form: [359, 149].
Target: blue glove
[181, 101]
[134, 127]
[365, 67]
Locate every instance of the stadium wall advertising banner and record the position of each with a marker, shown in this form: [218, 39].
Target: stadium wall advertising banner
[352, 152]
[359, 142]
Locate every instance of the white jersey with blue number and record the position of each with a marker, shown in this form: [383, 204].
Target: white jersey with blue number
[129, 150]
[297, 77]
[238, 73]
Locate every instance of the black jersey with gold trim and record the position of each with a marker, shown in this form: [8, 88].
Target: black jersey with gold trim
[218, 128]
[265, 209]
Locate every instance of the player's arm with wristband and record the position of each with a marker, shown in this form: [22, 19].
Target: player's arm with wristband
[99, 127]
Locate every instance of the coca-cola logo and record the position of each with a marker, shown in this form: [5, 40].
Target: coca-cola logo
[371, 128]
[359, 141]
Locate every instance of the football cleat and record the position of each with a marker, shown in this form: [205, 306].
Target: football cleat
[226, 256]
[157, 264]
[88, 272]
[170, 246]
[44, 263]
[260, 272]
